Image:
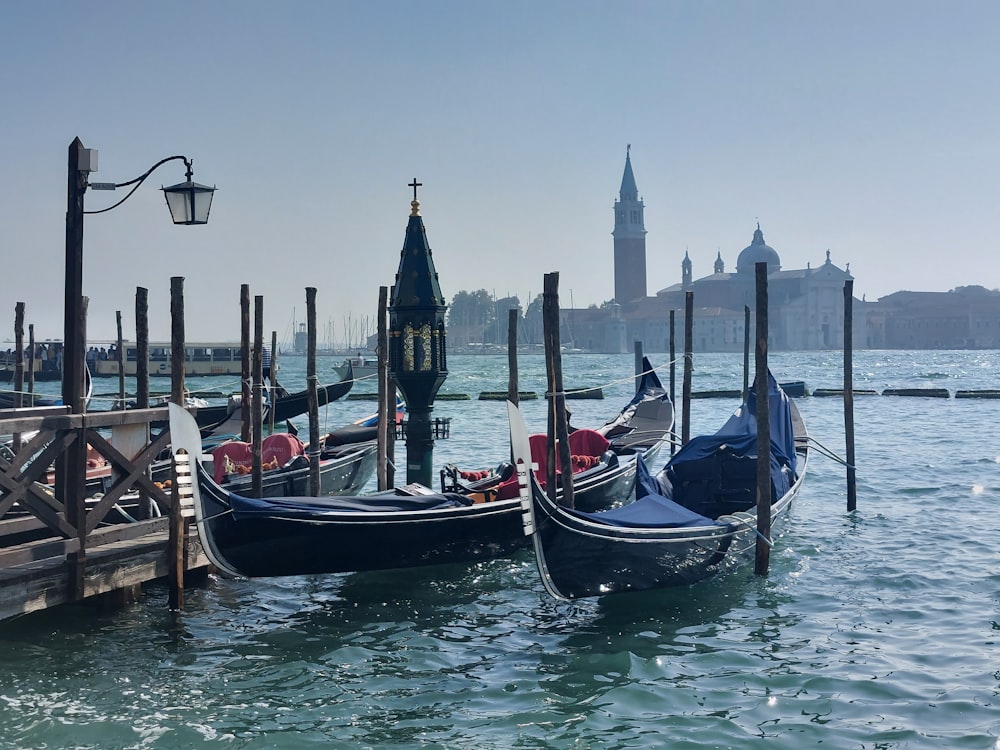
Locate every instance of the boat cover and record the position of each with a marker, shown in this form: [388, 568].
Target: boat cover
[730, 455]
[650, 510]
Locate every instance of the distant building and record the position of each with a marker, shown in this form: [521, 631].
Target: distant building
[964, 318]
[805, 306]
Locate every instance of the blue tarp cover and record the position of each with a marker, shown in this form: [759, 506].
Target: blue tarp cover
[650, 510]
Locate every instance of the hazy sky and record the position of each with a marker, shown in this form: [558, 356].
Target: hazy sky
[867, 128]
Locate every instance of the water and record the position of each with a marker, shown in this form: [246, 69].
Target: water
[877, 629]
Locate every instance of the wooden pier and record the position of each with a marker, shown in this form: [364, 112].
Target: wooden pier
[58, 545]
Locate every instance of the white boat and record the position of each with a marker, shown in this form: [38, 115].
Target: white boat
[364, 367]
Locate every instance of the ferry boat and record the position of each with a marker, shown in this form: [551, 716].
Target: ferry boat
[199, 359]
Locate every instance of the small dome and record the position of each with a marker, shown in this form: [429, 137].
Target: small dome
[758, 252]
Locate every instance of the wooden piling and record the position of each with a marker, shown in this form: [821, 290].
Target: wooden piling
[245, 362]
[558, 432]
[637, 362]
[31, 364]
[512, 376]
[177, 342]
[688, 366]
[673, 377]
[120, 358]
[312, 393]
[762, 558]
[257, 399]
[176, 538]
[141, 348]
[272, 386]
[386, 411]
[74, 483]
[746, 351]
[852, 486]
[18, 367]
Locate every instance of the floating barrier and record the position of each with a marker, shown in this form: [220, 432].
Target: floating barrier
[820, 392]
[717, 394]
[978, 394]
[580, 393]
[502, 395]
[924, 392]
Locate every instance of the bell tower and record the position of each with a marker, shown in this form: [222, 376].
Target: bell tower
[630, 239]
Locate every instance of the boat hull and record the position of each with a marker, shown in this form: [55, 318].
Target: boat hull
[347, 541]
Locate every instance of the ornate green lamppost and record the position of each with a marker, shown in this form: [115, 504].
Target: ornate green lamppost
[418, 362]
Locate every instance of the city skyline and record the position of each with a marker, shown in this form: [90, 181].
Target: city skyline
[863, 129]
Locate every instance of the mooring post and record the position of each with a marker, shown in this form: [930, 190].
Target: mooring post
[119, 357]
[245, 362]
[513, 394]
[637, 363]
[272, 384]
[746, 351]
[852, 482]
[558, 431]
[176, 537]
[688, 366]
[386, 411]
[18, 367]
[76, 474]
[673, 378]
[31, 364]
[312, 392]
[763, 551]
[257, 400]
[141, 348]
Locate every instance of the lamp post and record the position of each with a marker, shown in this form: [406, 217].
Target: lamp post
[189, 203]
[418, 362]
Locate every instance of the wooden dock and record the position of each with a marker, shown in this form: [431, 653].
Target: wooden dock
[57, 545]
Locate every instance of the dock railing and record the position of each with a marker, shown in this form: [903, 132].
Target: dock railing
[61, 523]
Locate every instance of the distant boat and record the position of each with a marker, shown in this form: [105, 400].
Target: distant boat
[202, 358]
[364, 367]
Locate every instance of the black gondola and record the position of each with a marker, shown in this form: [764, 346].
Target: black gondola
[406, 527]
[694, 519]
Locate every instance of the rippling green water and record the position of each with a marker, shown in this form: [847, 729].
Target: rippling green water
[876, 629]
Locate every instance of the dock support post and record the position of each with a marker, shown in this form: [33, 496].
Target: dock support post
[18, 367]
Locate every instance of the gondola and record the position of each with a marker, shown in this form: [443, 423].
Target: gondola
[604, 459]
[220, 419]
[344, 468]
[405, 527]
[694, 519]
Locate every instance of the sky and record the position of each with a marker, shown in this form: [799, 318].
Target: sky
[867, 128]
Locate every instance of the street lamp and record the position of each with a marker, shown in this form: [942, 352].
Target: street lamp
[189, 203]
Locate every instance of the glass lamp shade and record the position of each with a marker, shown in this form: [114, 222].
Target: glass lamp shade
[189, 202]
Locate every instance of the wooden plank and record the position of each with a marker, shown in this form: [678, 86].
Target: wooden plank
[43, 584]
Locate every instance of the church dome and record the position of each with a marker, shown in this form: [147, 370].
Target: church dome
[758, 252]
